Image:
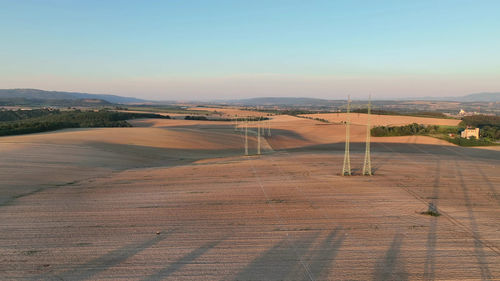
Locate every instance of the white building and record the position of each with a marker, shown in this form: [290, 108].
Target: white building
[470, 132]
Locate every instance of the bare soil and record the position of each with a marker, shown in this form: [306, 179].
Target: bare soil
[176, 200]
[383, 120]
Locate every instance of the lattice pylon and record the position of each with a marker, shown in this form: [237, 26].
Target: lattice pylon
[246, 138]
[367, 167]
[258, 137]
[268, 127]
[346, 169]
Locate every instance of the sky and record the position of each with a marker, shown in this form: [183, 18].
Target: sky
[211, 49]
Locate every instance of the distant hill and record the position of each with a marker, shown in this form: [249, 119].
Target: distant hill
[34, 94]
[280, 101]
[288, 101]
[485, 97]
[477, 97]
[53, 102]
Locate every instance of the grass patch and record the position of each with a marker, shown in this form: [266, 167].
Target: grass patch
[277, 201]
[30, 252]
[471, 141]
[431, 213]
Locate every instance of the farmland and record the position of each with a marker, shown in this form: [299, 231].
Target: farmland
[172, 199]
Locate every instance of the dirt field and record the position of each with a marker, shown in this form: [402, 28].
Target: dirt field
[231, 112]
[175, 200]
[383, 120]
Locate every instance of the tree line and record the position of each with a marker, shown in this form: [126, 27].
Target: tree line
[489, 125]
[204, 118]
[15, 122]
[427, 114]
[489, 129]
[410, 129]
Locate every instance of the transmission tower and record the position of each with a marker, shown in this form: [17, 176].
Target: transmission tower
[346, 170]
[268, 127]
[246, 138]
[258, 137]
[367, 167]
[236, 123]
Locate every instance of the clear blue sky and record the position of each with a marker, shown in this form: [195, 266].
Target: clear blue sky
[219, 49]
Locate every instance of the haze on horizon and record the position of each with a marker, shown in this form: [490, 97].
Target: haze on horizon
[239, 49]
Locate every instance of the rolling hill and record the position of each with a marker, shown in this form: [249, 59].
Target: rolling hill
[288, 101]
[34, 94]
[485, 97]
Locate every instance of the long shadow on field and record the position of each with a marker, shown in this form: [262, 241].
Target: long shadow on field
[113, 258]
[391, 267]
[284, 261]
[168, 270]
[478, 246]
[229, 129]
[379, 147]
[136, 156]
[429, 268]
[287, 134]
[208, 131]
[359, 147]
[485, 180]
[116, 157]
[322, 261]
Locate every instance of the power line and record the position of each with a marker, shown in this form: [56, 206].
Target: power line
[268, 126]
[246, 137]
[367, 167]
[258, 137]
[346, 169]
